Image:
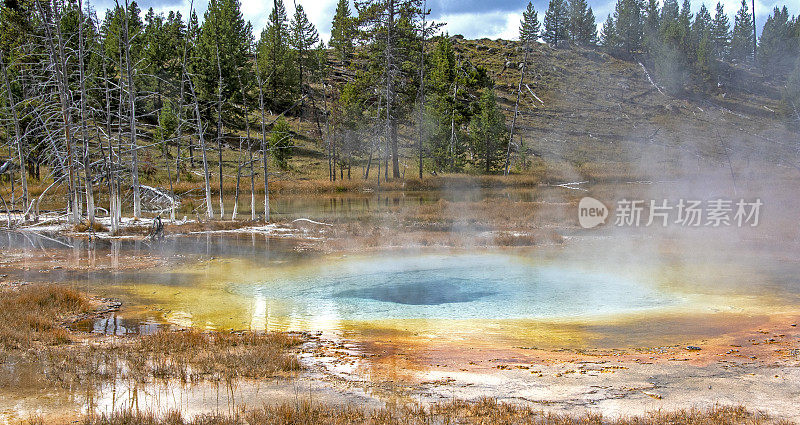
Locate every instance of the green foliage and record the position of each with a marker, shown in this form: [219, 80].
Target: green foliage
[582, 25]
[628, 26]
[556, 23]
[343, 31]
[670, 58]
[651, 26]
[488, 133]
[167, 126]
[281, 143]
[791, 97]
[222, 48]
[779, 44]
[720, 33]
[608, 36]
[529, 27]
[742, 37]
[277, 59]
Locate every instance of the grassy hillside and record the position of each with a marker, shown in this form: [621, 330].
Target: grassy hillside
[597, 118]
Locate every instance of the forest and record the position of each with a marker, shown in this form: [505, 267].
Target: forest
[104, 109]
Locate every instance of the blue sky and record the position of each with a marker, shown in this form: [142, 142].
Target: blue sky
[471, 18]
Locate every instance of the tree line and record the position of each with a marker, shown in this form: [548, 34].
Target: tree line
[105, 103]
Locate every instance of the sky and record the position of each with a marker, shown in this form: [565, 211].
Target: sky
[470, 18]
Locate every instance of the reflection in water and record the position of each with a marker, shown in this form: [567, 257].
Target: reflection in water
[464, 286]
[427, 292]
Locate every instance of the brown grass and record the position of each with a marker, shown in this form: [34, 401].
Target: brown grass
[486, 411]
[85, 226]
[189, 356]
[32, 314]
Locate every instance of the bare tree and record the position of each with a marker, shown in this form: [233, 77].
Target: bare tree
[263, 139]
[516, 108]
[18, 136]
[58, 62]
[137, 199]
[87, 168]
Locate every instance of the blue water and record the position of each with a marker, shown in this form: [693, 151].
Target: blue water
[451, 287]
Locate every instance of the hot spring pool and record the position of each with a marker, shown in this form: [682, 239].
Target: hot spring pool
[487, 286]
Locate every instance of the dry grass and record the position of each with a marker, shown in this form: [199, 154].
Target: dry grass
[85, 226]
[188, 356]
[32, 314]
[486, 411]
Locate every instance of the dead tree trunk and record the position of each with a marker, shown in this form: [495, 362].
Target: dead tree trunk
[59, 63]
[87, 163]
[219, 136]
[137, 200]
[209, 206]
[516, 111]
[18, 135]
[422, 86]
[263, 140]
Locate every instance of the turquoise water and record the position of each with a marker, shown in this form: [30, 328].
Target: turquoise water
[452, 287]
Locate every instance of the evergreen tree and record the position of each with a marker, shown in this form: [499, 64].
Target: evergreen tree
[276, 59]
[582, 25]
[791, 96]
[342, 32]
[651, 26]
[670, 58]
[442, 81]
[777, 47]
[303, 38]
[628, 25]
[742, 36]
[608, 36]
[556, 23]
[222, 48]
[669, 12]
[702, 48]
[281, 143]
[720, 33]
[701, 27]
[530, 26]
[488, 131]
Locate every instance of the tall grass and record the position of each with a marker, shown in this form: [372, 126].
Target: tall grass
[33, 313]
[486, 411]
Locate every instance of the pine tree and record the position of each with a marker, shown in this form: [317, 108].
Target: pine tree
[742, 36]
[669, 12]
[556, 23]
[702, 48]
[223, 33]
[720, 33]
[628, 25]
[582, 25]
[281, 143]
[608, 36]
[488, 130]
[701, 27]
[777, 46]
[442, 81]
[530, 25]
[277, 60]
[342, 32]
[303, 37]
[650, 37]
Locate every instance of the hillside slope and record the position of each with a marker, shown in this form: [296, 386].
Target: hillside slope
[601, 118]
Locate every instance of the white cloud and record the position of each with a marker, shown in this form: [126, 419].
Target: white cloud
[480, 25]
[319, 12]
